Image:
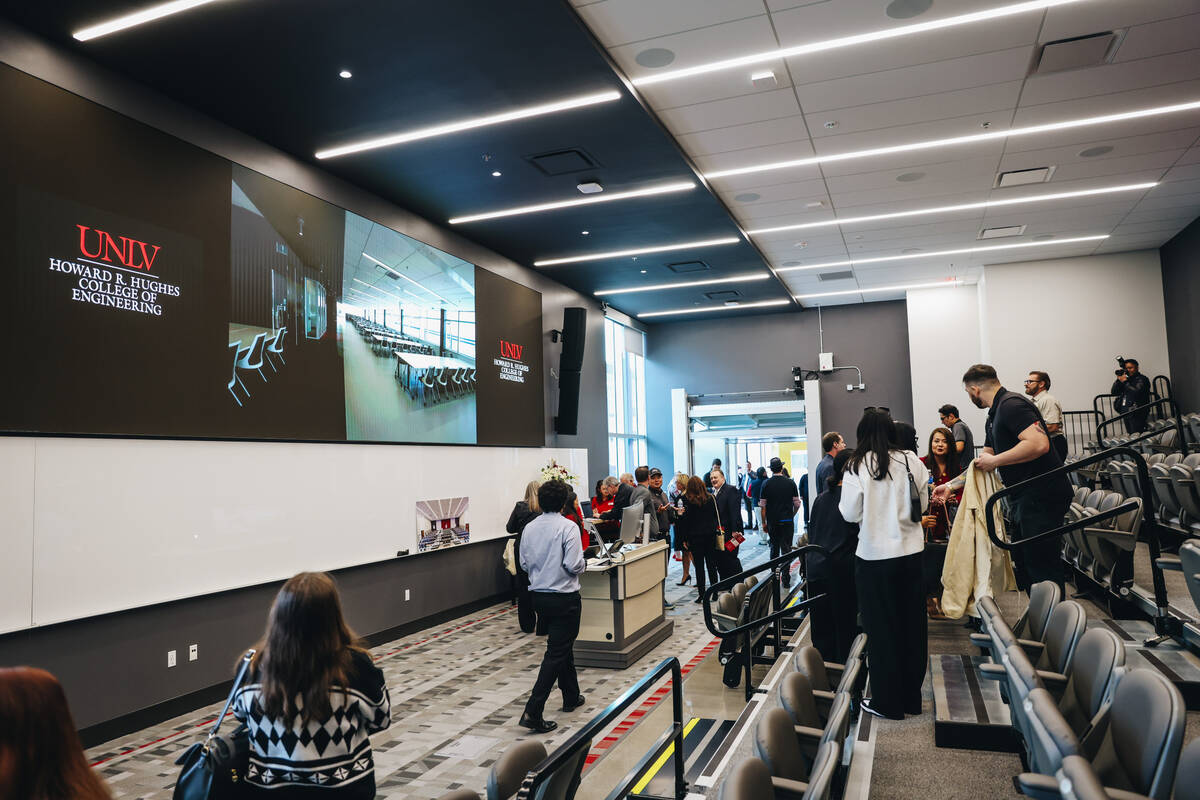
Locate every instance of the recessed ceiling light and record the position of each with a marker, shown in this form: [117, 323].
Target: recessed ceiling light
[957, 140]
[467, 124]
[655, 57]
[909, 177]
[589, 187]
[848, 41]
[754, 276]
[585, 233]
[345, 74]
[880, 259]
[1008, 201]
[800, 245]
[607, 197]
[643, 272]
[907, 9]
[747, 197]
[938, 285]
[138, 18]
[1099, 150]
[496, 174]
[831, 124]
[760, 304]
[637, 251]
[792, 263]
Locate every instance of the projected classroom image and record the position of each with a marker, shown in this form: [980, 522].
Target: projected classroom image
[406, 324]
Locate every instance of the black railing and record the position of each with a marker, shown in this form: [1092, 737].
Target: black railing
[1105, 406]
[1160, 387]
[570, 749]
[1164, 625]
[1079, 427]
[1172, 412]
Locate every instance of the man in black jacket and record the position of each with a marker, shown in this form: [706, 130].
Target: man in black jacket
[729, 514]
[621, 499]
[1132, 390]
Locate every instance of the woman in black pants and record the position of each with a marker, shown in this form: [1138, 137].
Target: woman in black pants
[887, 565]
[697, 524]
[831, 573]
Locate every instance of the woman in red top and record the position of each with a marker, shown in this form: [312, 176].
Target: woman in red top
[606, 493]
[942, 462]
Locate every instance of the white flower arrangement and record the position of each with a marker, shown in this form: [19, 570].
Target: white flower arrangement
[557, 472]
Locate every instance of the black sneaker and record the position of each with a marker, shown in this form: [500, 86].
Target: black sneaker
[866, 706]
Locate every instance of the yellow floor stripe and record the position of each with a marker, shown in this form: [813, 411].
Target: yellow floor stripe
[649, 776]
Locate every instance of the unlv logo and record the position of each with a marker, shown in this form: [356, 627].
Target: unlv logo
[511, 350]
[122, 250]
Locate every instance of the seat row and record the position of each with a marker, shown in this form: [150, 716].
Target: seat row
[1071, 696]
[1103, 552]
[1167, 438]
[800, 747]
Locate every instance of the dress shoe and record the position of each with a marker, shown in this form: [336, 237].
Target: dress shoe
[579, 701]
[867, 707]
[686, 580]
[537, 725]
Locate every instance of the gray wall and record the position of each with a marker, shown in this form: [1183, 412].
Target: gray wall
[1181, 297]
[742, 354]
[103, 661]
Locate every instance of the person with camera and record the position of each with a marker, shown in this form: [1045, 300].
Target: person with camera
[1132, 389]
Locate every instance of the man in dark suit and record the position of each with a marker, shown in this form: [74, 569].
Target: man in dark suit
[744, 479]
[729, 512]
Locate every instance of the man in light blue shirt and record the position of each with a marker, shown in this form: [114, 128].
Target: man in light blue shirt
[552, 554]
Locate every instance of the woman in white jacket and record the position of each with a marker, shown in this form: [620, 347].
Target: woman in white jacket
[876, 495]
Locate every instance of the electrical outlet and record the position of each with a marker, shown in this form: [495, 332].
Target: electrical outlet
[171, 659]
[193, 652]
[407, 595]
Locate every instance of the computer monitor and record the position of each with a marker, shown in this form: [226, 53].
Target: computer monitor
[631, 523]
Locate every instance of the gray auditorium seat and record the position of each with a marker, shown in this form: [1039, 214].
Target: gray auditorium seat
[997, 635]
[1095, 670]
[1187, 562]
[739, 592]
[1078, 781]
[1187, 490]
[511, 768]
[796, 696]
[749, 780]
[1067, 623]
[1113, 543]
[809, 662]
[1139, 748]
[792, 775]
[460, 794]
[1048, 737]
[1187, 777]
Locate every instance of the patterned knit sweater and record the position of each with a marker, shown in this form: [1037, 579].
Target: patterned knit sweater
[326, 758]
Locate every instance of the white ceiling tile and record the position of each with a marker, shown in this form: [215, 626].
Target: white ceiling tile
[755, 134]
[1111, 78]
[836, 145]
[1153, 202]
[995, 101]
[923, 79]
[1183, 172]
[717, 86]
[761, 155]
[698, 46]
[734, 111]
[1019, 156]
[968, 173]
[1097, 167]
[1178, 187]
[1156, 38]
[1096, 16]
[620, 21]
[1192, 156]
[1116, 103]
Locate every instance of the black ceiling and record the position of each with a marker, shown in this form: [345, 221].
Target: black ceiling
[270, 68]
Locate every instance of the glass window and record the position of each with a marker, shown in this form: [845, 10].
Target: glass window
[625, 368]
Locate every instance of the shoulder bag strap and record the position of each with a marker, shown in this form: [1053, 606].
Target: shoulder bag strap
[237, 684]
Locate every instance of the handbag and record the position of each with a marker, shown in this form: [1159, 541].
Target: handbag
[509, 557]
[213, 769]
[728, 543]
[914, 495]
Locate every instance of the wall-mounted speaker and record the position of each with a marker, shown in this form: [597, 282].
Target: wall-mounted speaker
[570, 364]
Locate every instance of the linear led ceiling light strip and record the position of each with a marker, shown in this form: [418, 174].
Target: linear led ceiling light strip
[848, 41]
[138, 18]
[1009, 201]
[702, 309]
[403, 137]
[549, 262]
[1191, 105]
[938, 285]
[965, 250]
[606, 197]
[756, 276]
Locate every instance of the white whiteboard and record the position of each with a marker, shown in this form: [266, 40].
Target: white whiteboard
[100, 525]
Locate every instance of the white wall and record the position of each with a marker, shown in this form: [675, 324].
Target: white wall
[943, 340]
[1071, 317]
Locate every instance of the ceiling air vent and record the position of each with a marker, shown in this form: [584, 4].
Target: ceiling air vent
[835, 276]
[688, 266]
[1078, 52]
[1000, 233]
[1021, 177]
[562, 162]
[723, 294]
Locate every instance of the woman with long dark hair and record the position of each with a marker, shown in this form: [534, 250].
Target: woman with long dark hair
[942, 462]
[698, 526]
[41, 757]
[312, 698]
[887, 569]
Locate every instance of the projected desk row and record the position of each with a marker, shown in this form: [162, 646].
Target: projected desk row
[433, 378]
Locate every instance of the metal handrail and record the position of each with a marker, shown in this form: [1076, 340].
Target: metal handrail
[537, 776]
[1149, 527]
[781, 611]
[1172, 407]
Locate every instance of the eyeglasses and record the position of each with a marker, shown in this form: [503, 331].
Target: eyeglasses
[1029, 382]
[884, 409]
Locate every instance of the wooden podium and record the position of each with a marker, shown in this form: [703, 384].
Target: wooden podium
[622, 617]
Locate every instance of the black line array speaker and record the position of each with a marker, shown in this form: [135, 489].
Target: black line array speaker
[570, 363]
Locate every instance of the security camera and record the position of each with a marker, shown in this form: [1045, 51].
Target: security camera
[603, 306]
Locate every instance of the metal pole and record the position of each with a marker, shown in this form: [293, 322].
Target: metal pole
[677, 710]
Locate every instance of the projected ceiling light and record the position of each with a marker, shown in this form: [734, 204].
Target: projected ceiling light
[606, 197]
[405, 277]
[467, 124]
[938, 285]
[941, 252]
[764, 79]
[1008, 201]
[345, 74]
[637, 251]
[849, 41]
[957, 140]
[703, 309]
[138, 18]
[754, 276]
[376, 288]
[585, 233]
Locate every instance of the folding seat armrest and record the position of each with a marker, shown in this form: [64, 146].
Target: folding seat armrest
[1169, 562]
[1040, 787]
[1032, 649]
[807, 734]
[1055, 682]
[993, 672]
[788, 789]
[834, 672]
[981, 640]
[824, 701]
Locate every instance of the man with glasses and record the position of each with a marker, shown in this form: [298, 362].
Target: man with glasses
[1037, 386]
